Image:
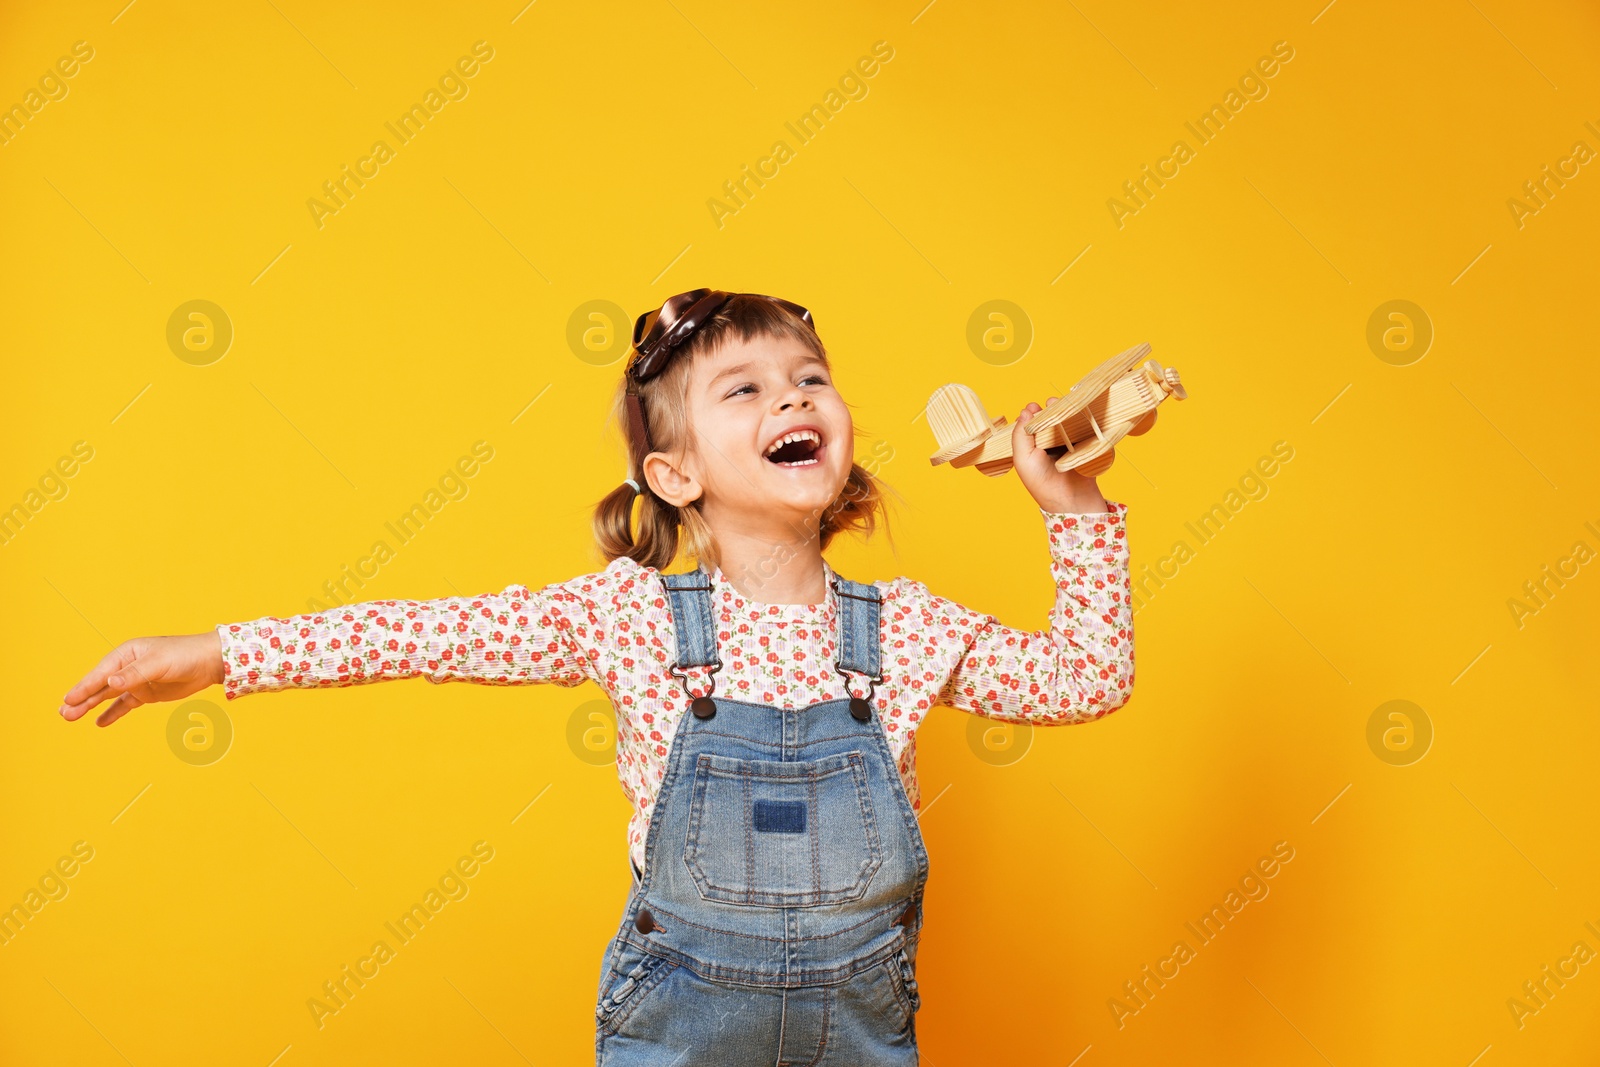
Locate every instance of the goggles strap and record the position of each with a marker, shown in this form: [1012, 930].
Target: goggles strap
[638, 433]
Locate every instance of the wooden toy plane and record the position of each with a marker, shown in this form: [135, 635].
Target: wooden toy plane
[1114, 400]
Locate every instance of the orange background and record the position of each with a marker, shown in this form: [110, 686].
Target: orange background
[433, 310]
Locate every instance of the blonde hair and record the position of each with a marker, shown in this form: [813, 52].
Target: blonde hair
[664, 529]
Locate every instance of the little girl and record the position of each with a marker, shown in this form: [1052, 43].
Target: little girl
[766, 707]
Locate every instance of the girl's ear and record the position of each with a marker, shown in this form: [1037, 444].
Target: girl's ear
[668, 482]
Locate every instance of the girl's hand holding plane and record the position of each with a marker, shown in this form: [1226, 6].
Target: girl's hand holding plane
[1055, 491]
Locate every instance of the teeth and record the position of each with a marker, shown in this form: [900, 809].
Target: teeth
[799, 435]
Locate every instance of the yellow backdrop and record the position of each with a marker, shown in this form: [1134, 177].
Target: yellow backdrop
[242, 341]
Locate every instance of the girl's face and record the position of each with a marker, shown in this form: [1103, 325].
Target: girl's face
[745, 401]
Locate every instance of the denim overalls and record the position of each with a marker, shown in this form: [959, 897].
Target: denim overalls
[776, 921]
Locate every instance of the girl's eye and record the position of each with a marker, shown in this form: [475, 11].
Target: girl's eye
[819, 379]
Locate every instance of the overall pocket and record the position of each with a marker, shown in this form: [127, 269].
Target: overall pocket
[902, 975]
[632, 977]
[778, 834]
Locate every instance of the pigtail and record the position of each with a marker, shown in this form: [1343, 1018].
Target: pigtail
[652, 540]
[613, 523]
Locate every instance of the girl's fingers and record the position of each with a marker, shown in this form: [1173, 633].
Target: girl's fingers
[1052, 452]
[95, 680]
[74, 712]
[1022, 440]
[119, 707]
[117, 680]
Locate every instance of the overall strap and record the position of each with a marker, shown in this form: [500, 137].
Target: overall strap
[860, 649]
[693, 619]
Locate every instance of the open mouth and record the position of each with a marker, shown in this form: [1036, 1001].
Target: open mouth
[798, 448]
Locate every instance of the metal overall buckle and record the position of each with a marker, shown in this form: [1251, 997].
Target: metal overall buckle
[702, 706]
[860, 707]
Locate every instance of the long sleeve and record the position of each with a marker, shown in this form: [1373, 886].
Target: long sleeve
[515, 637]
[1077, 670]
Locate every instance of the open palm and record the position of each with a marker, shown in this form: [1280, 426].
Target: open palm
[146, 670]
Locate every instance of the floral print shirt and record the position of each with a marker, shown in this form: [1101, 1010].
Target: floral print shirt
[614, 628]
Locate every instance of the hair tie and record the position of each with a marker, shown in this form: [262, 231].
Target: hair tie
[630, 481]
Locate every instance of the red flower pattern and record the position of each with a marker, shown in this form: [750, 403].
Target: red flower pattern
[613, 628]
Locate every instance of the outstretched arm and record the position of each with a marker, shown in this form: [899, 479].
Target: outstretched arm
[518, 636]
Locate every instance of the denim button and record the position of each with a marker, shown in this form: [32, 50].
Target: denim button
[703, 707]
[860, 709]
[645, 922]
